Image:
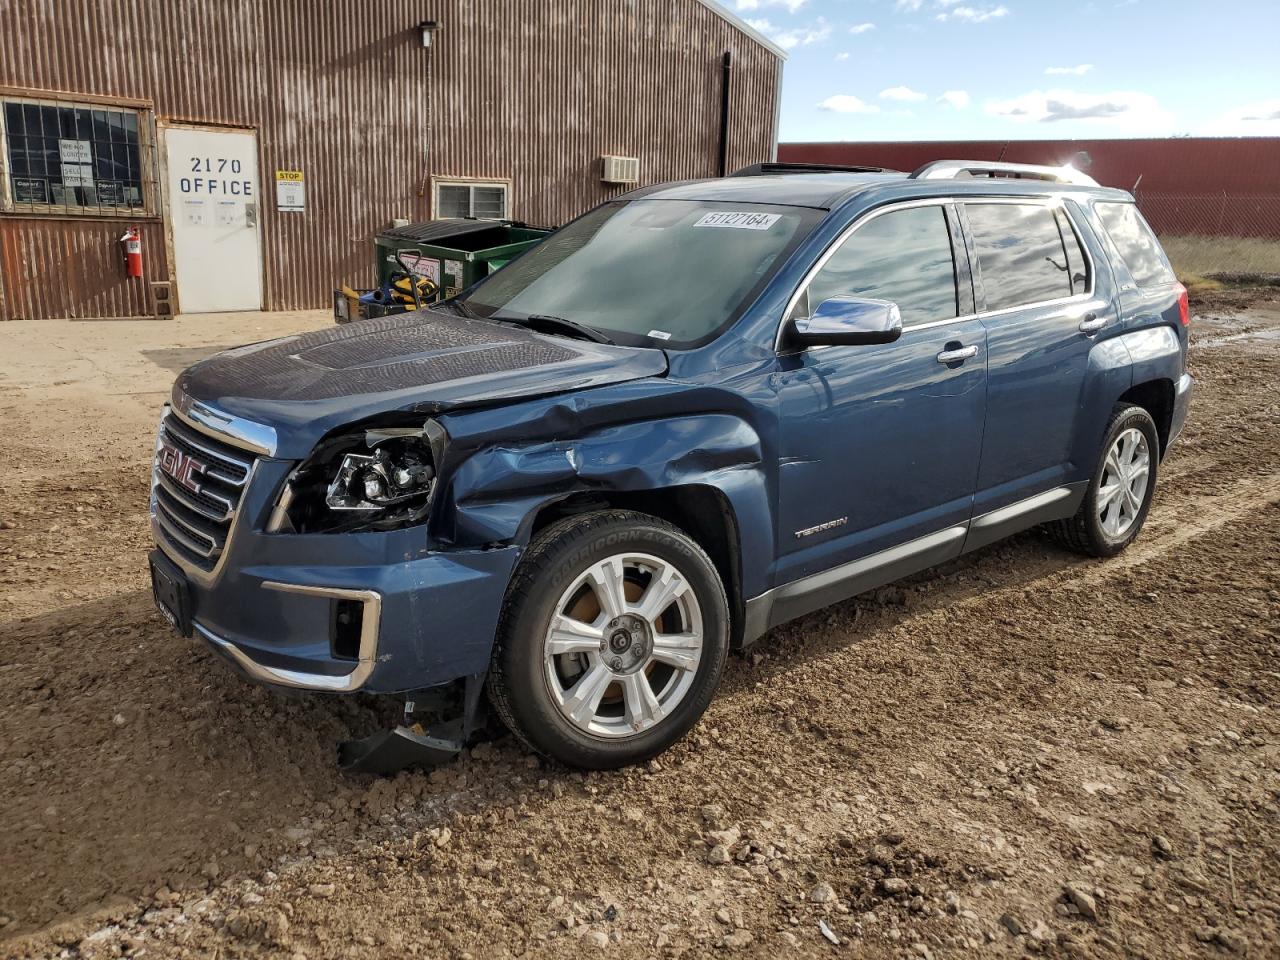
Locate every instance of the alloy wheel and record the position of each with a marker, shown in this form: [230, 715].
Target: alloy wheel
[623, 646]
[1123, 488]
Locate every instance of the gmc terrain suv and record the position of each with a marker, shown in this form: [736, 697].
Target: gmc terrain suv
[693, 413]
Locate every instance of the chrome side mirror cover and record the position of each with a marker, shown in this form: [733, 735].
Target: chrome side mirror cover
[845, 321]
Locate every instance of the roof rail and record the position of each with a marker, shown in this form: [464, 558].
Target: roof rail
[775, 169]
[952, 169]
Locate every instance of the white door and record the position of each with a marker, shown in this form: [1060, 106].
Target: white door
[214, 204]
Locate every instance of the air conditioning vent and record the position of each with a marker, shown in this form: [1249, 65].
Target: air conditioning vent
[621, 169]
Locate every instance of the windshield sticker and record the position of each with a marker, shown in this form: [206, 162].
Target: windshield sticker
[740, 221]
[659, 335]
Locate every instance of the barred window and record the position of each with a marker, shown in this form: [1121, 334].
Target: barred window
[74, 158]
[467, 199]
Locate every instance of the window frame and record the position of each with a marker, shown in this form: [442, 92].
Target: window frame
[961, 256]
[148, 172]
[471, 183]
[1055, 205]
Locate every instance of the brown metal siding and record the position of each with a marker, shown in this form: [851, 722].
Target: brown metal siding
[590, 77]
[71, 268]
[1215, 186]
[1176, 165]
[531, 91]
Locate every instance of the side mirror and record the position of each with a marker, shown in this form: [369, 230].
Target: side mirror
[843, 321]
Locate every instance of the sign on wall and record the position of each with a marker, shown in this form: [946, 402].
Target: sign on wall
[291, 194]
[30, 190]
[77, 163]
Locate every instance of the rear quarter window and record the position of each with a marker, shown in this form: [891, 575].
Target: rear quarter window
[1136, 244]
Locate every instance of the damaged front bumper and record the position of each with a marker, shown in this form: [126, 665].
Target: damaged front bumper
[340, 612]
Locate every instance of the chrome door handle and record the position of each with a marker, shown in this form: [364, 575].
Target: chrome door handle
[1092, 323]
[955, 356]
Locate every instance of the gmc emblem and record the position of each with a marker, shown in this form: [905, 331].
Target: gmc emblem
[180, 465]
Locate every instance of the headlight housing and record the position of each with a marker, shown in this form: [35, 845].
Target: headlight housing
[376, 479]
[393, 474]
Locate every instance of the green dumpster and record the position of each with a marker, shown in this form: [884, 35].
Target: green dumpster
[452, 254]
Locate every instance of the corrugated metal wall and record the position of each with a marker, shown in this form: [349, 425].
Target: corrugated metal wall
[531, 91]
[1185, 185]
[71, 268]
[587, 78]
[1241, 166]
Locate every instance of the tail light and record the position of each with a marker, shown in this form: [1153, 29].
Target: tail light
[1184, 306]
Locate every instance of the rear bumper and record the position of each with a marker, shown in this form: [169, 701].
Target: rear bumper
[1181, 405]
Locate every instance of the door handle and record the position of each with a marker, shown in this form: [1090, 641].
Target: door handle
[1092, 323]
[955, 356]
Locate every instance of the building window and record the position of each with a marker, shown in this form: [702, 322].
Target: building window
[460, 199]
[62, 158]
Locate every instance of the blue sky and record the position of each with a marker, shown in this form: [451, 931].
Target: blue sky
[1023, 69]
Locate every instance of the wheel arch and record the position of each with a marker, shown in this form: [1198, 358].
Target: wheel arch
[705, 473]
[699, 509]
[1157, 398]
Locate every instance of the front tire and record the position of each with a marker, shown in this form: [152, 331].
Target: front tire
[612, 641]
[1119, 495]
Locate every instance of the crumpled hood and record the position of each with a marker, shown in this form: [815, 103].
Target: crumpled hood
[426, 362]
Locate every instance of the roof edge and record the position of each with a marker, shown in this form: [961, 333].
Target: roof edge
[724, 13]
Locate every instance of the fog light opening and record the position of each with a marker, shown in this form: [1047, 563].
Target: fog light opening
[348, 624]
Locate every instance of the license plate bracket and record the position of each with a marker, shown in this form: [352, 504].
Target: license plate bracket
[171, 592]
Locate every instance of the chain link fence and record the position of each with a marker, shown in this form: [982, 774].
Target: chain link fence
[1219, 236]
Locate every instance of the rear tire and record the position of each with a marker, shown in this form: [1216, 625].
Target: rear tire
[1119, 495]
[612, 640]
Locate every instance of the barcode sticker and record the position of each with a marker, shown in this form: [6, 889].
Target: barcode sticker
[740, 221]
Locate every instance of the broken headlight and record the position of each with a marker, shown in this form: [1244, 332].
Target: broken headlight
[372, 480]
[384, 478]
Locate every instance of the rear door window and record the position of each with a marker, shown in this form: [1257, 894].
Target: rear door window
[1021, 255]
[903, 256]
[1136, 244]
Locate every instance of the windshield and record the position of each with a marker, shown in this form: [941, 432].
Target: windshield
[648, 272]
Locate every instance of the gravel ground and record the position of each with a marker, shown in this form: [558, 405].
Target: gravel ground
[1021, 752]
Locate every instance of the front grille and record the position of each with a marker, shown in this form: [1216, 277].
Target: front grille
[197, 483]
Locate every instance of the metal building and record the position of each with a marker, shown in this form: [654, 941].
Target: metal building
[259, 145]
[1204, 186]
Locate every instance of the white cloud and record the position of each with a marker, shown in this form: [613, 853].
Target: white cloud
[791, 5]
[1131, 109]
[902, 93]
[1076, 71]
[956, 99]
[841, 57]
[911, 6]
[788, 38]
[973, 14]
[847, 103]
[858, 28]
[1251, 120]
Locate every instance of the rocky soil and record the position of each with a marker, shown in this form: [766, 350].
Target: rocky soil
[1023, 752]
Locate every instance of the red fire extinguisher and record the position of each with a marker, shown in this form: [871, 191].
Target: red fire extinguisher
[131, 243]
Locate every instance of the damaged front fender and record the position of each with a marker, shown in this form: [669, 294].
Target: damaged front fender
[494, 494]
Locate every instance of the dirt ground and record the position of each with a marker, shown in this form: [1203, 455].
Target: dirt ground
[1022, 752]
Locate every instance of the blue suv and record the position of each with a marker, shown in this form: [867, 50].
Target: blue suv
[694, 413]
